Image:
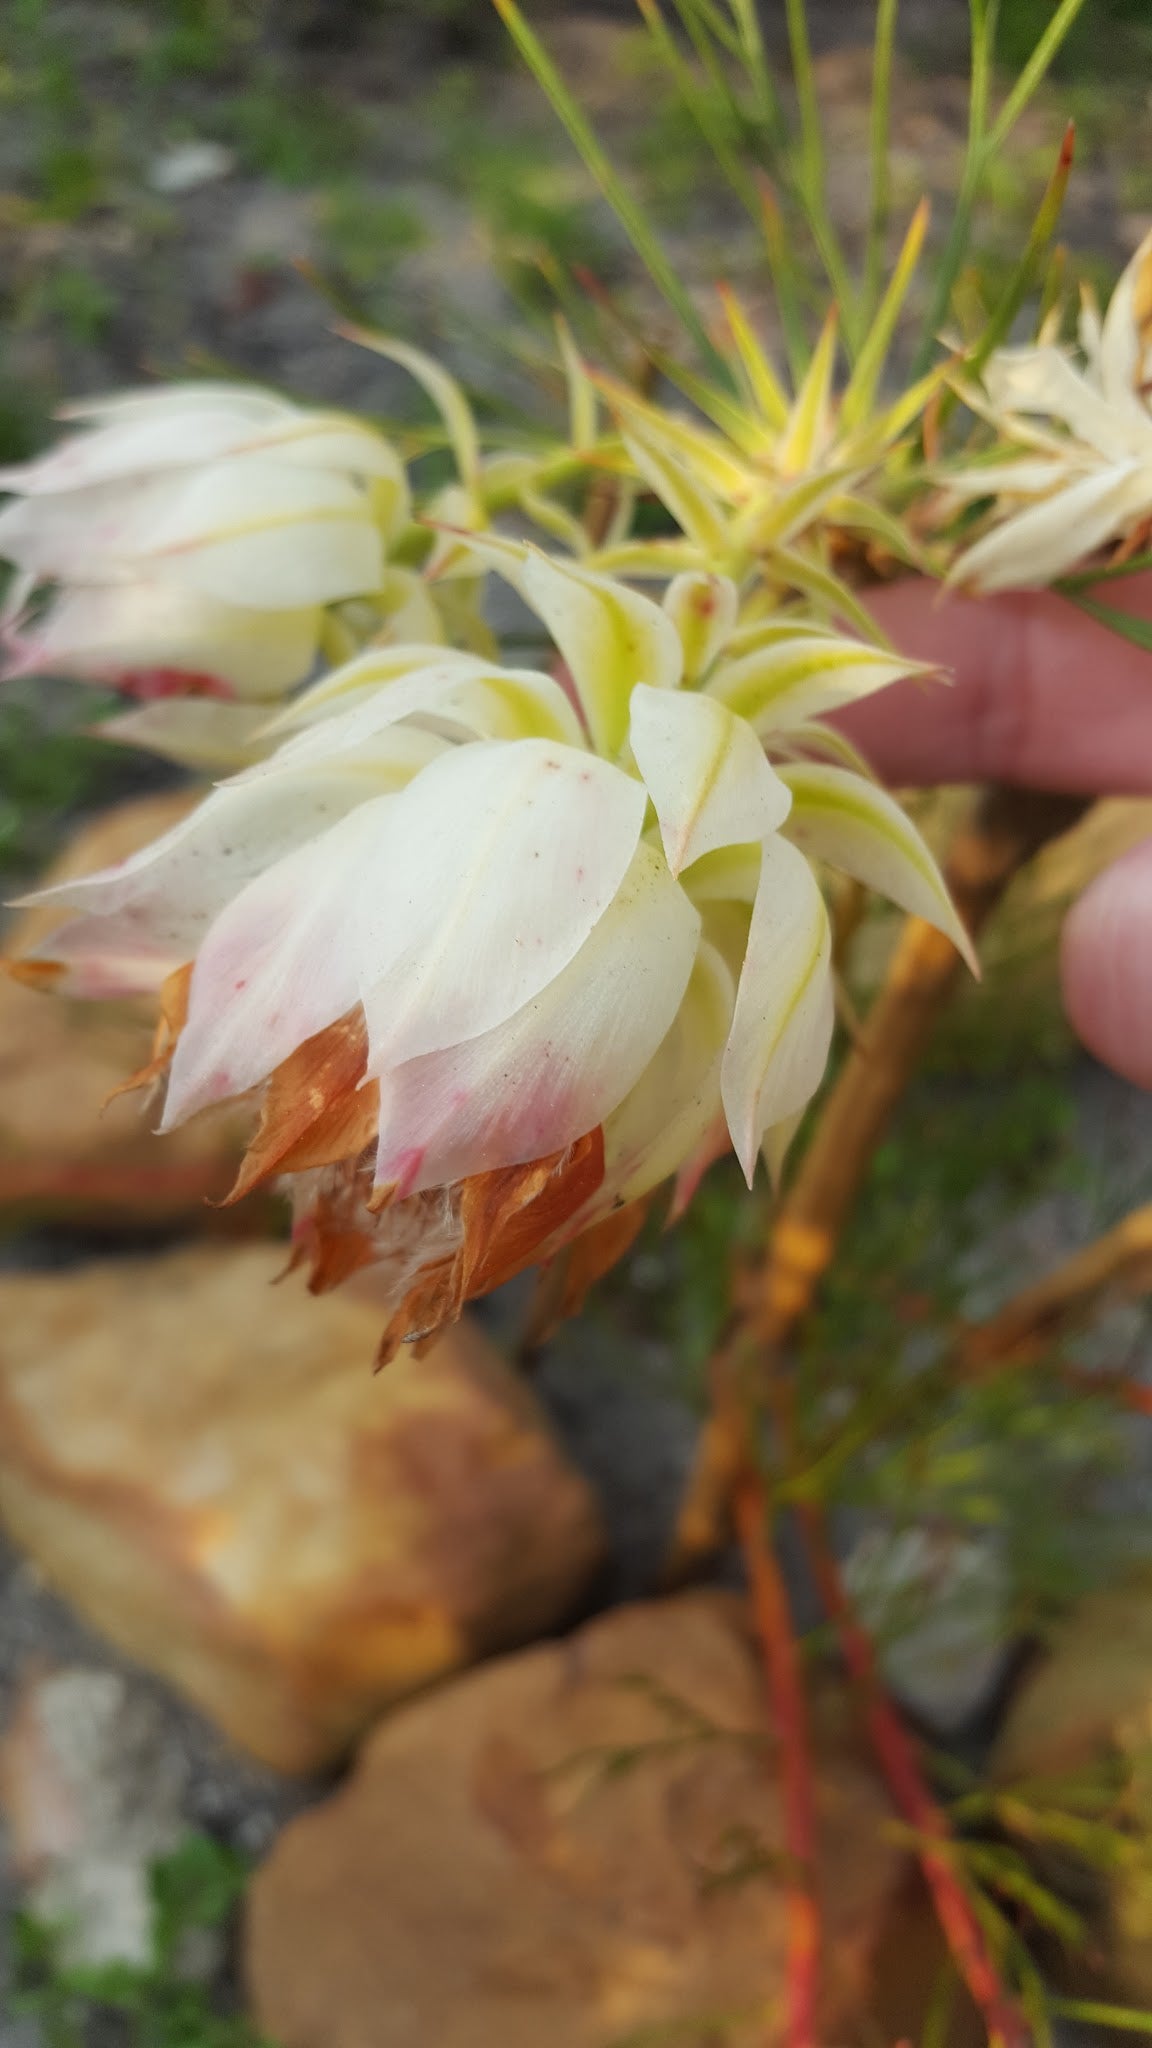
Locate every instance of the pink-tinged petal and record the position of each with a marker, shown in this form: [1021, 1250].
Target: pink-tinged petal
[103, 632]
[560, 1065]
[502, 857]
[148, 433]
[262, 532]
[706, 773]
[85, 536]
[161, 901]
[666, 1118]
[855, 825]
[178, 427]
[782, 1028]
[1033, 547]
[278, 965]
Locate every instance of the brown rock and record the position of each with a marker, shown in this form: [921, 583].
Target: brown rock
[571, 1847]
[207, 1466]
[1085, 1711]
[61, 1150]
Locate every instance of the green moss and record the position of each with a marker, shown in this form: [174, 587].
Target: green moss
[151, 2005]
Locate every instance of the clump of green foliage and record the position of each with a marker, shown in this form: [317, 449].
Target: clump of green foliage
[44, 775]
[195, 1889]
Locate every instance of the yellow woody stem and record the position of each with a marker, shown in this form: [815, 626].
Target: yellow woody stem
[1005, 829]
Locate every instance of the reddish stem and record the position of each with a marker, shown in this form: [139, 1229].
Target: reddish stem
[900, 1764]
[773, 1620]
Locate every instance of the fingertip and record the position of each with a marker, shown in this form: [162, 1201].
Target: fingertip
[1106, 965]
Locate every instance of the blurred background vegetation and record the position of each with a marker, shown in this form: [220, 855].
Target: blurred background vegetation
[188, 185]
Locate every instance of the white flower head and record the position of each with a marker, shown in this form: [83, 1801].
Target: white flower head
[496, 954]
[191, 539]
[1067, 488]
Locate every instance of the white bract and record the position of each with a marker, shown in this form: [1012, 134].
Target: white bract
[1064, 490]
[533, 925]
[191, 539]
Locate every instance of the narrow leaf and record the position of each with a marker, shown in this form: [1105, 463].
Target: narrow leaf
[630, 215]
[808, 421]
[1138, 631]
[442, 389]
[860, 828]
[1034, 71]
[883, 51]
[865, 379]
[765, 387]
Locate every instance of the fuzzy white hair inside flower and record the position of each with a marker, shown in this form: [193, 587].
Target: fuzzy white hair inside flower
[497, 957]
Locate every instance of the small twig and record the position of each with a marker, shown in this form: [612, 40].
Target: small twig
[1007, 827]
[773, 1620]
[1119, 1264]
[896, 1755]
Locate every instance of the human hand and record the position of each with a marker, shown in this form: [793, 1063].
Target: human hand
[1042, 696]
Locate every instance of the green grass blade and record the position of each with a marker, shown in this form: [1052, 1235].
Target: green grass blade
[1034, 71]
[630, 215]
[803, 72]
[700, 108]
[767, 393]
[865, 379]
[1085, 579]
[731, 417]
[1123, 2019]
[755, 60]
[983, 15]
[881, 126]
[1138, 631]
[1028, 270]
[786, 280]
[1024, 277]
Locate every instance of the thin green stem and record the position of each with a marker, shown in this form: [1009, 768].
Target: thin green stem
[803, 72]
[631, 216]
[755, 59]
[985, 141]
[881, 123]
[1034, 72]
[983, 16]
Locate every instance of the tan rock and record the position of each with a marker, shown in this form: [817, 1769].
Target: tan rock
[578, 1847]
[205, 1464]
[1085, 1711]
[61, 1150]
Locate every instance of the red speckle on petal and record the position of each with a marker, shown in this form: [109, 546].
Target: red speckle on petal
[238, 985]
[148, 684]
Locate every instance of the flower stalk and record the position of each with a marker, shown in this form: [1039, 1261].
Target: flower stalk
[1006, 829]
